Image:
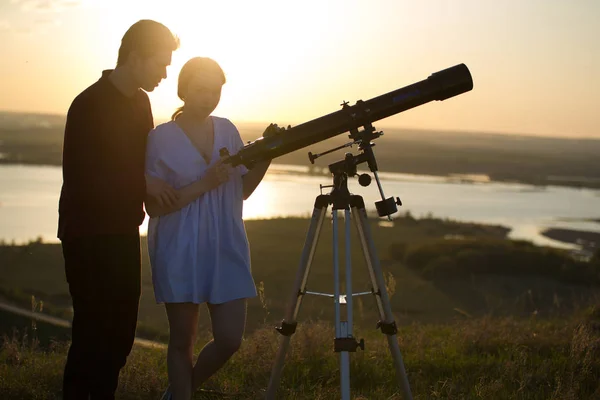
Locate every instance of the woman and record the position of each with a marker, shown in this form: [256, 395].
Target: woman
[198, 248]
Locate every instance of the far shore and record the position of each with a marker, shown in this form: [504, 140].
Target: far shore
[34, 139]
[586, 239]
[457, 177]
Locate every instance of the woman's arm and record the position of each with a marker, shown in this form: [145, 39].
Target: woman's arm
[254, 177]
[186, 195]
[214, 176]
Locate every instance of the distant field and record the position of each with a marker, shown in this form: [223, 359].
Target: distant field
[37, 139]
[37, 269]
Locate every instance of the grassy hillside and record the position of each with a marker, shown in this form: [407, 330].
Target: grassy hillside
[468, 330]
[37, 269]
[483, 358]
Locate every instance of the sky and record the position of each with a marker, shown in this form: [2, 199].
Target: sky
[534, 63]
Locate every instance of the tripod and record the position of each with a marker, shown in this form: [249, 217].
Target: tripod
[354, 208]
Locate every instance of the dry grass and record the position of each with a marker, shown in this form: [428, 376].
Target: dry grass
[482, 358]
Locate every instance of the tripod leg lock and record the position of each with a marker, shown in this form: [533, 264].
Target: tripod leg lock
[388, 328]
[347, 344]
[287, 328]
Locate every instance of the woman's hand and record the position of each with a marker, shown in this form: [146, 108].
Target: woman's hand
[274, 129]
[217, 174]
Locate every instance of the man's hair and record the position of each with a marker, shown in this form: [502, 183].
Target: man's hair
[147, 38]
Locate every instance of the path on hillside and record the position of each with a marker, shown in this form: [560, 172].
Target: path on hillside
[66, 324]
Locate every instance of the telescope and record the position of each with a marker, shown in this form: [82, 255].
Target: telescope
[439, 86]
[357, 120]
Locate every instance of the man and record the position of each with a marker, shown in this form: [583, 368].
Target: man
[101, 208]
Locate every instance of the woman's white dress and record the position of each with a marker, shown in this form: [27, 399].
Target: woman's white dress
[199, 253]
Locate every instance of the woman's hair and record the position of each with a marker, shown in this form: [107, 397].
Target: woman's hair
[146, 37]
[194, 67]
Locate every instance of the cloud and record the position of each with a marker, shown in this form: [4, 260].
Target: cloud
[48, 22]
[46, 5]
[6, 27]
[48, 11]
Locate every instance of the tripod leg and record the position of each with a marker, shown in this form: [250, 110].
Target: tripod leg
[288, 325]
[387, 323]
[343, 329]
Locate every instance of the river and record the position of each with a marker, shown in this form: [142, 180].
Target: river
[29, 199]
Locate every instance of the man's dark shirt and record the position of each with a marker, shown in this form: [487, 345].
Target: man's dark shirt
[103, 162]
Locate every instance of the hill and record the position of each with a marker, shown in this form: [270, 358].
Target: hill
[436, 271]
[483, 358]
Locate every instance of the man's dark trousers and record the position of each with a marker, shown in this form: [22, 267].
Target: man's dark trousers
[104, 276]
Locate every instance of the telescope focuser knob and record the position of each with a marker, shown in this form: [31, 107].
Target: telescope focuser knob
[364, 180]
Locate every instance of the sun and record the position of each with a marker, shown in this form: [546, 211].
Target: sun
[271, 51]
[261, 49]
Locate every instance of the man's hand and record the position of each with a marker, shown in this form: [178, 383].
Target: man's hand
[274, 129]
[164, 194]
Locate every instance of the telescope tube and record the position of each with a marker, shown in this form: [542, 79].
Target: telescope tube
[439, 86]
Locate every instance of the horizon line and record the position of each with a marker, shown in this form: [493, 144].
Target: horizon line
[451, 130]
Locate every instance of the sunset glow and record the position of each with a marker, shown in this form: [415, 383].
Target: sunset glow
[533, 63]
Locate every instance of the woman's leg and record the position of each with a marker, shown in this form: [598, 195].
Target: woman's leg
[228, 322]
[183, 323]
